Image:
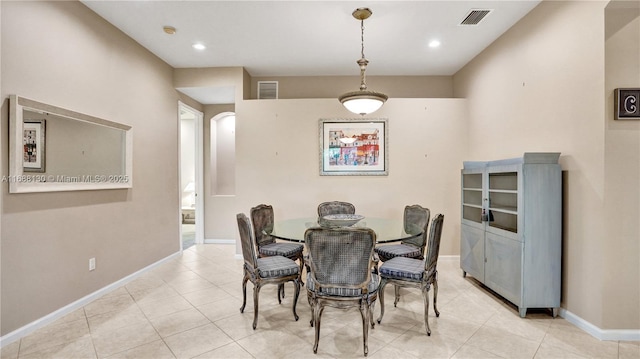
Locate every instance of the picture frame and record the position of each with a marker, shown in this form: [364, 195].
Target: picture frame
[34, 142]
[627, 103]
[354, 147]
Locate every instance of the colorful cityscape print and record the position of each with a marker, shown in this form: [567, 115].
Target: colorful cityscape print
[353, 147]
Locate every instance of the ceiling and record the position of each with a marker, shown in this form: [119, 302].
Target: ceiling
[313, 38]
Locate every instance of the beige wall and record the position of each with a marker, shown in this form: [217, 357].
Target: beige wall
[277, 163]
[621, 282]
[540, 87]
[63, 54]
[296, 87]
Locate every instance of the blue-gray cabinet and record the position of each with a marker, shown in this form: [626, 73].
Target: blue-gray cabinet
[511, 230]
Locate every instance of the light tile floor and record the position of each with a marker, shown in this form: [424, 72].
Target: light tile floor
[189, 308]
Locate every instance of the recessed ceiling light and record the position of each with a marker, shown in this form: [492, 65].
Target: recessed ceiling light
[434, 43]
[199, 46]
[169, 30]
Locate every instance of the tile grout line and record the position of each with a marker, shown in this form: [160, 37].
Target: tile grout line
[86, 318]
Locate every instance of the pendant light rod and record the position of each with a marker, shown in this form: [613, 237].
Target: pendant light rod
[362, 14]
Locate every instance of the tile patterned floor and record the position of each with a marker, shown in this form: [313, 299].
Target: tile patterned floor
[189, 308]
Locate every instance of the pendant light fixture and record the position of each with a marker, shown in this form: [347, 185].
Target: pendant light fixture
[362, 102]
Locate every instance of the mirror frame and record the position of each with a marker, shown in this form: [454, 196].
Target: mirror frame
[27, 182]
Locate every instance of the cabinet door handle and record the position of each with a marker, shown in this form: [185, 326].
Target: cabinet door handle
[484, 216]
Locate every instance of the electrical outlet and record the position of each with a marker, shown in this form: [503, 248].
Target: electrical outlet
[92, 264]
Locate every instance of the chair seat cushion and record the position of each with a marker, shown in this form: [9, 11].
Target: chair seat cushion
[288, 250]
[398, 250]
[277, 266]
[345, 292]
[403, 268]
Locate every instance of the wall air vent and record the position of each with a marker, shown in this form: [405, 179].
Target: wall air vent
[267, 90]
[474, 17]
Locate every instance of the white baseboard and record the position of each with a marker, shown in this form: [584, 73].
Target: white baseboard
[224, 241]
[602, 334]
[219, 241]
[52, 317]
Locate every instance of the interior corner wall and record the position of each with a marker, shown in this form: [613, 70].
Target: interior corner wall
[212, 77]
[61, 53]
[190, 102]
[246, 85]
[621, 291]
[539, 87]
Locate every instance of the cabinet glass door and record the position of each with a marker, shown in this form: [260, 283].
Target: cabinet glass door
[472, 197]
[503, 201]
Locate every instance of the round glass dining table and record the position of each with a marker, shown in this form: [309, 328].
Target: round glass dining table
[387, 230]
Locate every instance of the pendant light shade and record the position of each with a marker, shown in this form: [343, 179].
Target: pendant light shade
[362, 102]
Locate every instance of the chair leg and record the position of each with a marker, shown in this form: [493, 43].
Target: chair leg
[296, 284]
[256, 295]
[364, 312]
[425, 296]
[317, 314]
[371, 310]
[244, 292]
[312, 306]
[397, 293]
[301, 261]
[383, 283]
[435, 296]
[280, 292]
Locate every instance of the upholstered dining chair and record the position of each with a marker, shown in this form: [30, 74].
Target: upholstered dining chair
[335, 207]
[340, 274]
[416, 219]
[415, 273]
[262, 218]
[267, 270]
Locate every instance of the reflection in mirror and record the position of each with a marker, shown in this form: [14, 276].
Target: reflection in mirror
[54, 149]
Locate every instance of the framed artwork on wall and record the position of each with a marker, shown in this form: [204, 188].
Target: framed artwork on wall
[354, 147]
[33, 140]
[627, 104]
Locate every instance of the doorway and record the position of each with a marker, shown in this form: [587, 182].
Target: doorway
[191, 199]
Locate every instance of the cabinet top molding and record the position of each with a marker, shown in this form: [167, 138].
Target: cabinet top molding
[527, 158]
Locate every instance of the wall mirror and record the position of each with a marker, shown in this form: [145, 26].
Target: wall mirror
[55, 149]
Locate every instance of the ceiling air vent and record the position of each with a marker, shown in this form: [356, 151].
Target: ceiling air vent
[267, 90]
[474, 17]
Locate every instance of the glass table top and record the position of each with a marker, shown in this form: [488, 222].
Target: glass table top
[387, 230]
